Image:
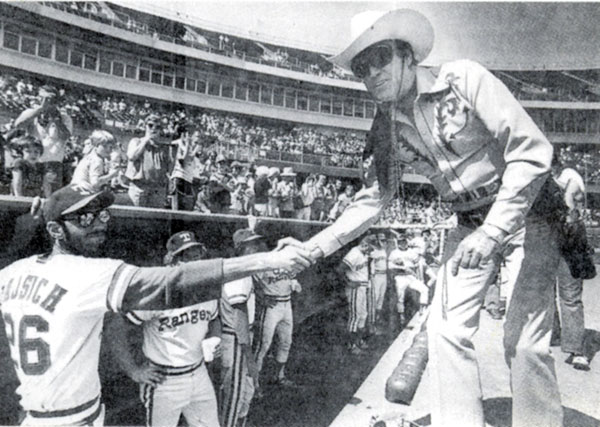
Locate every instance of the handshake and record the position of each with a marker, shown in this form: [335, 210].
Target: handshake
[293, 256]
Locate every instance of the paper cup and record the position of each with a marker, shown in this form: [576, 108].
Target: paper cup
[209, 346]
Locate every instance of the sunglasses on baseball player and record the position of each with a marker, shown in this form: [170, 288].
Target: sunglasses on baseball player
[86, 219]
[377, 56]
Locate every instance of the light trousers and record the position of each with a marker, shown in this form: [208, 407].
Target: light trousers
[531, 256]
[570, 291]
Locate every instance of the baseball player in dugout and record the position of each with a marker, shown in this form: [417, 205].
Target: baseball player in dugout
[173, 379]
[460, 126]
[274, 292]
[355, 270]
[239, 374]
[53, 304]
[379, 273]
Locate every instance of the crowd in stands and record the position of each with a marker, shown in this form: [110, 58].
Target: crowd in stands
[343, 148]
[216, 136]
[339, 148]
[41, 139]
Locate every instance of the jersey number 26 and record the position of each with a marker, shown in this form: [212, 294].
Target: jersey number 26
[34, 353]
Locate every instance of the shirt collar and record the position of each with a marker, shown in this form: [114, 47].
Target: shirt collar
[429, 81]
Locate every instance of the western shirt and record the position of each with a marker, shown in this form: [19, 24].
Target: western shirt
[469, 133]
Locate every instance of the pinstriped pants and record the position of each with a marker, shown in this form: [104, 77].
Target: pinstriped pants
[190, 394]
[357, 307]
[275, 320]
[237, 387]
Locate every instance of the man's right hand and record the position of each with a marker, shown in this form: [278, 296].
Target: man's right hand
[289, 241]
[291, 259]
[315, 252]
[147, 374]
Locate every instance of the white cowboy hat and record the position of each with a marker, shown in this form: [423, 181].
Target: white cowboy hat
[287, 171]
[370, 27]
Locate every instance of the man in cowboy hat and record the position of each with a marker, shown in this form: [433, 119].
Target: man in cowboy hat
[460, 127]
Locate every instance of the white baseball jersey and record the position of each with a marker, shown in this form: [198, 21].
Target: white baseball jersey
[53, 310]
[174, 337]
[278, 283]
[404, 259]
[359, 266]
[379, 263]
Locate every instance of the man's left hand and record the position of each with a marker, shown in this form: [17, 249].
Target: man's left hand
[475, 249]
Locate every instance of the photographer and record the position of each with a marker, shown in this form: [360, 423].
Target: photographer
[52, 127]
[148, 166]
[183, 193]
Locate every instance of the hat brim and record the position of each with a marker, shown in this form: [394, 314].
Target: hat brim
[288, 174]
[185, 247]
[100, 200]
[249, 239]
[402, 24]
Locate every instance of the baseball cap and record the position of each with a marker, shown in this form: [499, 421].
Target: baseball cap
[75, 198]
[244, 235]
[181, 241]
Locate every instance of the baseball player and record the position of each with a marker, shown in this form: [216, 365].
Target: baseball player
[173, 341]
[379, 267]
[275, 289]
[355, 268]
[408, 273]
[239, 372]
[53, 305]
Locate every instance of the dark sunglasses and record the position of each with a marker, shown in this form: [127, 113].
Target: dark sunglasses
[86, 219]
[377, 56]
[152, 125]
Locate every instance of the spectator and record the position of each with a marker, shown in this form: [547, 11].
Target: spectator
[240, 197]
[318, 206]
[261, 191]
[343, 201]
[331, 195]
[288, 191]
[53, 128]
[237, 170]
[214, 198]
[147, 167]
[27, 173]
[222, 173]
[274, 194]
[183, 194]
[92, 170]
[307, 193]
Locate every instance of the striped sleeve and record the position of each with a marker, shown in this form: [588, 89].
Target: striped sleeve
[134, 318]
[118, 285]
[237, 291]
[215, 311]
[350, 260]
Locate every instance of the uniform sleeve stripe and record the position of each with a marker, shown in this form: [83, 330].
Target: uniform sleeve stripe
[119, 283]
[237, 298]
[348, 263]
[133, 318]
